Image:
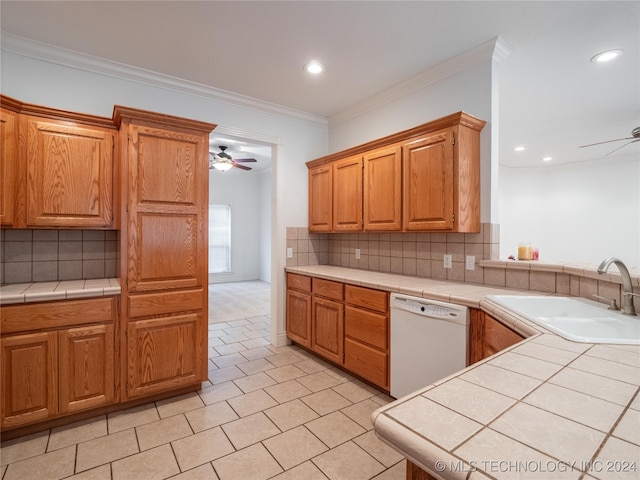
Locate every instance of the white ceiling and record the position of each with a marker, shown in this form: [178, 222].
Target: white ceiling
[552, 98]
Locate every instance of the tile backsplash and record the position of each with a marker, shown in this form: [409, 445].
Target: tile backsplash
[417, 254]
[55, 255]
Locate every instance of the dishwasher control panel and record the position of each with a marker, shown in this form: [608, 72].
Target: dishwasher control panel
[429, 308]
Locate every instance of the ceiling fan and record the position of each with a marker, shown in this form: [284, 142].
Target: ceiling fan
[635, 137]
[223, 161]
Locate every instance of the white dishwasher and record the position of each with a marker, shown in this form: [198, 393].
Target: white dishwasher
[428, 342]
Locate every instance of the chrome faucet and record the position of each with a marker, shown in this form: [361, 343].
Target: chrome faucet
[627, 288]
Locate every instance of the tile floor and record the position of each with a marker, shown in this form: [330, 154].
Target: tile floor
[266, 412]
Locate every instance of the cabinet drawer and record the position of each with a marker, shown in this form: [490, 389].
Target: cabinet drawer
[368, 298]
[328, 289]
[367, 362]
[162, 303]
[367, 327]
[299, 282]
[38, 316]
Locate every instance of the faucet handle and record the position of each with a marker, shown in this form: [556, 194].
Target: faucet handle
[631, 294]
[613, 303]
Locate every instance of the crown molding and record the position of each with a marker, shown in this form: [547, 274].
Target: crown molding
[69, 58]
[445, 69]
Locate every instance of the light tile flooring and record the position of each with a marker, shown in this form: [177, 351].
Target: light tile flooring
[266, 412]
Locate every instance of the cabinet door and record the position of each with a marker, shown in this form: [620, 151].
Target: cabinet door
[8, 163]
[428, 182]
[168, 210]
[370, 363]
[69, 175]
[29, 378]
[347, 195]
[327, 329]
[165, 353]
[321, 199]
[86, 367]
[488, 336]
[299, 317]
[383, 189]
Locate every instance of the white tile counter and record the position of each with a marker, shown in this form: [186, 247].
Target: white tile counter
[544, 408]
[63, 290]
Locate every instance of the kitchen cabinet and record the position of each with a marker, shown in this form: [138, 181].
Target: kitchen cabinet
[346, 324]
[8, 164]
[321, 199]
[366, 342]
[347, 195]
[488, 336]
[57, 168]
[382, 189]
[57, 358]
[327, 319]
[420, 180]
[164, 248]
[69, 174]
[299, 309]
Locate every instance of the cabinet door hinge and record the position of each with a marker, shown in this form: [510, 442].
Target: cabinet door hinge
[453, 218]
[453, 139]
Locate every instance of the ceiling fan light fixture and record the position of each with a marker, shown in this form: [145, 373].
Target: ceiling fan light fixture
[222, 166]
[314, 67]
[606, 56]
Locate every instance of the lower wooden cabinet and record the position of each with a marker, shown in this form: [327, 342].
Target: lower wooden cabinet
[327, 329]
[488, 336]
[164, 354]
[346, 324]
[62, 369]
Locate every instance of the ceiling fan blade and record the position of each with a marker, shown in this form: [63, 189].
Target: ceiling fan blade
[244, 160]
[628, 143]
[608, 141]
[241, 166]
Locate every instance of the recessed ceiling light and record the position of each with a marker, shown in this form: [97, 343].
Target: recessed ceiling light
[314, 67]
[547, 159]
[520, 148]
[606, 56]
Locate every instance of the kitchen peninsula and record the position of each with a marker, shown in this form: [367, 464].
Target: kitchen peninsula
[543, 408]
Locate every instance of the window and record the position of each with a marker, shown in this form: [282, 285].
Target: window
[219, 238]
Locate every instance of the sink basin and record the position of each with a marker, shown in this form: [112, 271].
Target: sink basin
[575, 318]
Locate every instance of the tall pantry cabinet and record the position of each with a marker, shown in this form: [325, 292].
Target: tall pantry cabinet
[164, 179]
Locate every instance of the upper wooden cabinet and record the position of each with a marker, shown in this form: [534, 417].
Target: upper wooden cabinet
[382, 189]
[8, 164]
[69, 174]
[347, 195]
[321, 198]
[57, 168]
[423, 179]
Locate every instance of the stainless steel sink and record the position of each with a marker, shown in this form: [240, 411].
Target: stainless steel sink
[575, 318]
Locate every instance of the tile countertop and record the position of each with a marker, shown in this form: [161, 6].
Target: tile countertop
[544, 408]
[64, 290]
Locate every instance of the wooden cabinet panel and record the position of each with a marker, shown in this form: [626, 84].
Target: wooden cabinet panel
[299, 282]
[488, 336]
[86, 367]
[367, 327]
[321, 199]
[48, 315]
[165, 353]
[382, 189]
[69, 174]
[328, 289]
[8, 164]
[299, 317]
[327, 330]
[368, 298]
[368, 362]
[29, 378]
[167, 209]
[347, 195]
[164, 303]
[428, 183]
